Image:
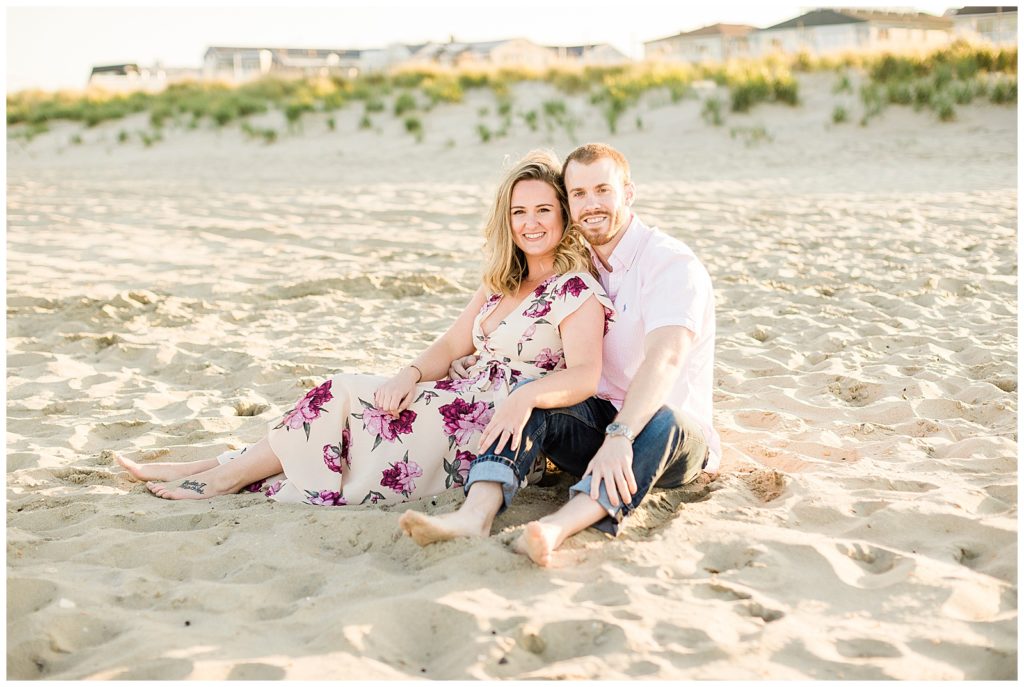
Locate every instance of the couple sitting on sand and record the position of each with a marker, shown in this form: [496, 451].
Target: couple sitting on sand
[517, 377]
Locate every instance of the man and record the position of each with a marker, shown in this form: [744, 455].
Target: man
[650, 422]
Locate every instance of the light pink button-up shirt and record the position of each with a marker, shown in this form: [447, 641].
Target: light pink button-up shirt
[657, 281]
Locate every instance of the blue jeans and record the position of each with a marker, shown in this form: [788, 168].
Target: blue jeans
[669, 452]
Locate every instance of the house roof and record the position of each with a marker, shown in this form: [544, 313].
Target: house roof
[830, 17]
[116, 69]
[580, 50]
[321, 53]
[964, 11]
[728, 30]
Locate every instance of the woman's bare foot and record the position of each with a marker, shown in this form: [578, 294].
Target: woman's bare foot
[538, 542]
[202, 486]
[164, 472]
[427, 529]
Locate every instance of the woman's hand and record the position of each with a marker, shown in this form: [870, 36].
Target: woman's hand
[396, 394]
[508, 421]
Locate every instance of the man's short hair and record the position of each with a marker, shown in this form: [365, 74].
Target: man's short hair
[589, 153]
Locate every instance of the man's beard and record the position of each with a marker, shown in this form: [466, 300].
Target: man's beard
[617, 224]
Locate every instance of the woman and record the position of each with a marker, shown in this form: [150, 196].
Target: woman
[353, 439]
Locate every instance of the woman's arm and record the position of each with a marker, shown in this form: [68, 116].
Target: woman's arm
[396, 394]
[582, 333]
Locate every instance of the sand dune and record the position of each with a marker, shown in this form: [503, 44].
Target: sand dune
[164, 302]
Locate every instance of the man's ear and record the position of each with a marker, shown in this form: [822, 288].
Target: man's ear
[630, 193]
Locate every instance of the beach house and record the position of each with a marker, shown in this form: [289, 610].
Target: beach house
[714, 43]
[997, 25]
[131, 77]
[510, 52]
[243, 64]
[835, 30]
[597, 54]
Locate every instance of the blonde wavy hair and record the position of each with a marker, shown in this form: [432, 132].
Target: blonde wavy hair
[505, 266]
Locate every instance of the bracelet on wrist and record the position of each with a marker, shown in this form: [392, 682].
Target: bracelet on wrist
[418, 370]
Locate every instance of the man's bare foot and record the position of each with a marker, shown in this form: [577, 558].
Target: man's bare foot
[192, 488]
[427, 529]
[164, 472]
[538, 541]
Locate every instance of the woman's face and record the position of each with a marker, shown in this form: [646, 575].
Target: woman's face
[537, 221]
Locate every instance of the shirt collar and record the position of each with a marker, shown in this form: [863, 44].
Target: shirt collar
[625, 252]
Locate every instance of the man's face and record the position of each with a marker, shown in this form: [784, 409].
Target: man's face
[599, 199]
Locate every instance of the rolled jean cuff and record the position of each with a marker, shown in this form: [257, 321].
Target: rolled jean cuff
[491, 469]
[615, 513]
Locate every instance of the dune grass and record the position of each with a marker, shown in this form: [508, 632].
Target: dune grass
[939, 81]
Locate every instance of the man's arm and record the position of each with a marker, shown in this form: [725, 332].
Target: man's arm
[665, 351]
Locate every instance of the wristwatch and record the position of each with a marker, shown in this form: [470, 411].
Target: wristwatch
[617, 429]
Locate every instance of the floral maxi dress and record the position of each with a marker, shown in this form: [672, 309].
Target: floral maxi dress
[338, 449]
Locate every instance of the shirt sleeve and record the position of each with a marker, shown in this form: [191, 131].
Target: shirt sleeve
[676, 292]
[572, 291]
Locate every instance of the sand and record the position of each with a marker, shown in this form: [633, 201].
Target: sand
[164, 302]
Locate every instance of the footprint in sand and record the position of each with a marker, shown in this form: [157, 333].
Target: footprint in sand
[865, 647]
[865, 566]
[568, 639]
[393, 629]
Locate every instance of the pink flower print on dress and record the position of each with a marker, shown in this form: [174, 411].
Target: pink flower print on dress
[574, 286]
[399, 477]
[254, 487]
[458, 469]
[544, 285]
[608, 319]
[526, 336]
[452, 384]
[462, 419]
[538, 308]
[383, 426]
[307, 409]
[335, 454]
[548, 360]
[274, 488]
[325, 498]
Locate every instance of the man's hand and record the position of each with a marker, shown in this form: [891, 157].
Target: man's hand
[613, 464]
[459, 369]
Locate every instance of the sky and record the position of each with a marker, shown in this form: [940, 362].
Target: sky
[51, 47]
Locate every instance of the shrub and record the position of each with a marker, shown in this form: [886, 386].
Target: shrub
[415, 127]
[333, 101]
[711, 112]
[373, 104]
[365, 122]
[443, 89]
[752, 135]
[404, 103]
[122, 136]
[785, 90]
[295, 108]
[530, 118]
[331, 124]
[943, 106]
[554, 109]
[843, 85]
[1004, 92]
[899, 93]
[483, 132]
[839, 114]
[76, 140]
[504, 106]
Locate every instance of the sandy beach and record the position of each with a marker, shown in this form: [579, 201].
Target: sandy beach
[164, 302]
